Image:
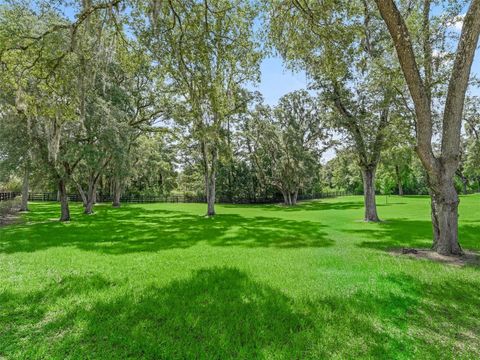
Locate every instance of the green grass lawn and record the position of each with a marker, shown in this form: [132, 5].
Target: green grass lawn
[160, 281]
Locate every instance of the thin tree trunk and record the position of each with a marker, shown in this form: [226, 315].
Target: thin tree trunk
[210, 190]
[368, 175]
[62, 191]
[210, 176]
[25, 187]
[464, 184]
[445, 218]
[399, 181]
[82, 194]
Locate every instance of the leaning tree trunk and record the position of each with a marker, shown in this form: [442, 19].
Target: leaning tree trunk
[368, 175]
[25, 186]
[445, 202]
[117, 191]
[82, 195]
[62, 191]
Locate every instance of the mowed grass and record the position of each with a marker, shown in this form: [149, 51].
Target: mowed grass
[161, 281]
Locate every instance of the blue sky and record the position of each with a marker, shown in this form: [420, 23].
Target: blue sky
[276, 80]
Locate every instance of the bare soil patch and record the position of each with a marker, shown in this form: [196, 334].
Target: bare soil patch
[9, 219]
[468, 258]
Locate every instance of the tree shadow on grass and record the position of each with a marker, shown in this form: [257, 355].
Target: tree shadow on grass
[307, 205]
[399, 233]
[221, 313]
[217, 313]
[136, 229]
[322, 205]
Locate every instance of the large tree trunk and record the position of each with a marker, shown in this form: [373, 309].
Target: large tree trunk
[92, 188]
[368, 175]
[117, 192]
[295, 197]
[62, 191]
[445, 202]
[89, 207]
[444, 196]
[25, 187]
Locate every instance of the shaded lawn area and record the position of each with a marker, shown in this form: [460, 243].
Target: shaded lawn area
[160, 281]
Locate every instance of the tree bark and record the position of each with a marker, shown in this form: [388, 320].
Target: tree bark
[210, 166]
[295, 197]
[368, 175]
[92, 188]
[399, 181]
[82, 194]
[445, 218]
[25, 187]
[210, 191]
[117, 191]
[464, 185]
[290, 197]
[89, 207]
[62, 191]
[440, 169]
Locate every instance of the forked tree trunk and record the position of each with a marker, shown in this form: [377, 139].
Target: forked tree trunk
[25, 187]
[290, 198]
[89, 208]
[445, 202]
[62, 192]
[368, 175]
[441, 169]
[117, 191]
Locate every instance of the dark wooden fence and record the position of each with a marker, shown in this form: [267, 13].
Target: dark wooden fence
[7, 195]
[180, 198]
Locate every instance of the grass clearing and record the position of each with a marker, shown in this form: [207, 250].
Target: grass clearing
[163, 281]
